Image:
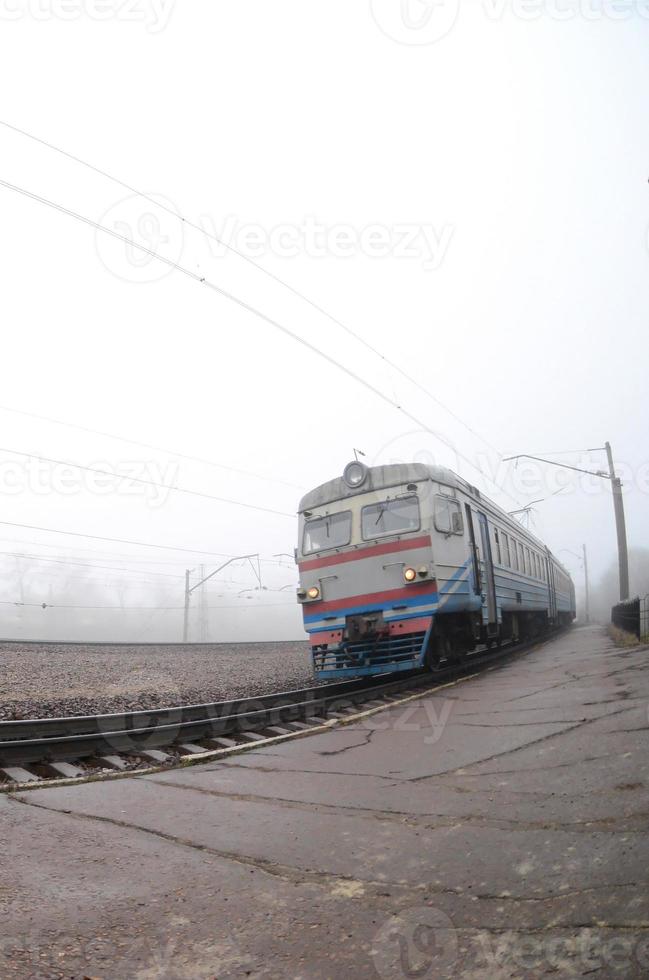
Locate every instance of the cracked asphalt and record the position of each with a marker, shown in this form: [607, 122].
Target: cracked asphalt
[495, 829]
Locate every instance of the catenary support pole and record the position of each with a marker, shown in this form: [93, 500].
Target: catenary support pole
[186, 616]
[620, 526]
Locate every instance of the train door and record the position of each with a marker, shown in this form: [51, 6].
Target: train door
[489, 611]
[551, 591]
[475, 564]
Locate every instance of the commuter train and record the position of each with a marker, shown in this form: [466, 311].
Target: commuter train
[405, 566]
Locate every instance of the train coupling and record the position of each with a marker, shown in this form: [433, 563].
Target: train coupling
[365, 626]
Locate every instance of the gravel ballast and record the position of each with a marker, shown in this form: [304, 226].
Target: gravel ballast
[43, 680]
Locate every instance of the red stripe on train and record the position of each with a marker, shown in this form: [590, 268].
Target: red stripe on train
[400, 627]
[411, 592]
[377, 549]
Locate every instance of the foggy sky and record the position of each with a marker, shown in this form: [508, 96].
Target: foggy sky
[472, 201]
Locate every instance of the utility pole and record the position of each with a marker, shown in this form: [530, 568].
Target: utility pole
[620, 525]
[587, 594]
[187, 595]
[192, 588]
[202, 607]
[618, 505]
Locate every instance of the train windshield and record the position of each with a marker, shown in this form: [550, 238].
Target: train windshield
[398, 516]
[332, 531]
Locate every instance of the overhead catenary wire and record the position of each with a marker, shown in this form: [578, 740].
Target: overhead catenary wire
[56, 605]
[144, 482]
[36, 559]
[271, 275]
[78, 564]
[141, 544]
[147, 445]
[109, 556]
[202, 280]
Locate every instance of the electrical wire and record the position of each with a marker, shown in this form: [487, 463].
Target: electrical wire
[148, 483]
[147, 445]
[107, 556]
[110, 568]
[292, 289]
[261, 315]
[110, 556]
[56, 605]
[142, 544]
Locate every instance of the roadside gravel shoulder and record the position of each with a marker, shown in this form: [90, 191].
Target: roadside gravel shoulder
[50, 680]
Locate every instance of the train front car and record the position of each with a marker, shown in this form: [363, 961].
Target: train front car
[367, 579]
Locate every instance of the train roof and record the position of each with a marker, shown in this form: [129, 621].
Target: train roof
[396, 474]
[378, 478]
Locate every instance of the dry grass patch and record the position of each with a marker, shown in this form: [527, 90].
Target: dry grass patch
[621, 638]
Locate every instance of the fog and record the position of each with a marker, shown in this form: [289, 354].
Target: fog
[463, 195]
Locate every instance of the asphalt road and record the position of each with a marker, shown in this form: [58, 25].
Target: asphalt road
[495, 829]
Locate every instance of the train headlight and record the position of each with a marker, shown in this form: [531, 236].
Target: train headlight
[313, 592]
[355, 474]
[410, 574]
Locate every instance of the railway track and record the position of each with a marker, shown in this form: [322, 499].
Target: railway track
[35, 750]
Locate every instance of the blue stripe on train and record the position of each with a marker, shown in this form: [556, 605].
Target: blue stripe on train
[430, 599]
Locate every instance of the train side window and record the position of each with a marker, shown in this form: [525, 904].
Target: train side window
[535, 565]
[448, 515]
[514, 556]
[528, 562]
[521, 558]
[498, 553]
[506, 558]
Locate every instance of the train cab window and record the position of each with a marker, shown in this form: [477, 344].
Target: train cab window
[448, 515]
[498, 552]
[397, 516]
[331, 531]
[506, 558]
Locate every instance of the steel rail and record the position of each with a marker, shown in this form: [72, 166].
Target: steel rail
[45, 740]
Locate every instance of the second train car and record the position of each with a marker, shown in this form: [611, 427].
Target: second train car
[407, 565]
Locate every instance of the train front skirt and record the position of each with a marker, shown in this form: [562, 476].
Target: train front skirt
[383, 654]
